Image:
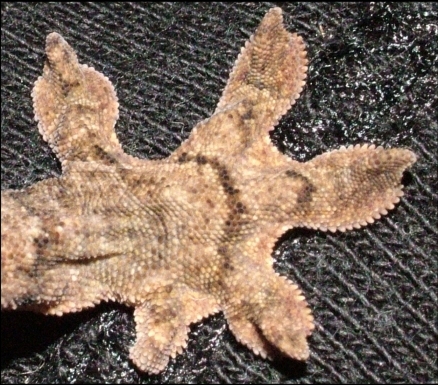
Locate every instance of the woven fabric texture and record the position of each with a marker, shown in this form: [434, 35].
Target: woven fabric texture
[372, 79]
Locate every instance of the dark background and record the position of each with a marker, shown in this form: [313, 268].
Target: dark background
[372, 78]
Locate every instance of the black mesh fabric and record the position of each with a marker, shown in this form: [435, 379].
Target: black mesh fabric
[372, 78]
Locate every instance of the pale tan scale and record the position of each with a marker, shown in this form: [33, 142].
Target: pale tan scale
[187, 236]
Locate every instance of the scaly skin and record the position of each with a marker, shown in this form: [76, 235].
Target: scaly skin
[190, 235]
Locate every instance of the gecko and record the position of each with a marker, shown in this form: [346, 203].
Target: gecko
[181, 238]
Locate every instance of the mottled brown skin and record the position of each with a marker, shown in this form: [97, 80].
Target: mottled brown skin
[190, 235]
